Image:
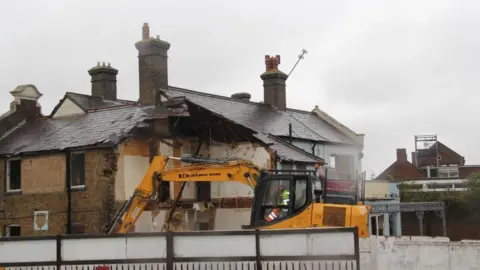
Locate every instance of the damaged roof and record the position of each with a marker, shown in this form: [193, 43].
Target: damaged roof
[53, 134]
[106, 122]
[263, 118]
[287, 151]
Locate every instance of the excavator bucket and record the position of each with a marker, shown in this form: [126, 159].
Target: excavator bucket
[177, 223]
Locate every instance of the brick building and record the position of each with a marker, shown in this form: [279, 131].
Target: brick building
[436, 169]
[70, 170]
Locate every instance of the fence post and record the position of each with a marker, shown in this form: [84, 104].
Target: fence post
[356, 244]
[258, 257]
[169, 240]
[59, 251]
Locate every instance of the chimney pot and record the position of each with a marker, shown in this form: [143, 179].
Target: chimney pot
[241, 96]
[145, 31]
[104, 81]
[274, 83]
[401, 154]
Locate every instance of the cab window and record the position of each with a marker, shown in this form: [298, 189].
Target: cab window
[272, 195]
[300, 194]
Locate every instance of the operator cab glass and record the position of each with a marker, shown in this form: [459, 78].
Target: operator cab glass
[281, 196]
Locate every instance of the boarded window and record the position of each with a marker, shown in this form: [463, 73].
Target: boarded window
[301, 166]
[334, 216]
[14, 170]
[77, 167]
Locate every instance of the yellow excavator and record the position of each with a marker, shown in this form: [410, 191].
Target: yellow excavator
[303, 206]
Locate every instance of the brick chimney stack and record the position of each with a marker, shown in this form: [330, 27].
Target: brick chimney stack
[104, 81]
[152, 67]
[274, 83]
[24, 107]
[401, 154]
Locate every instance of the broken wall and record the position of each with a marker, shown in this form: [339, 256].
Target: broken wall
[135, 166]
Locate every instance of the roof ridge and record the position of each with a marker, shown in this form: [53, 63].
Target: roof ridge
[111, 108]
[174, 88]
[80, 94]
[230, 98]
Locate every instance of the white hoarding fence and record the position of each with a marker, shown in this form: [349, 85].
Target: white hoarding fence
[325, 248]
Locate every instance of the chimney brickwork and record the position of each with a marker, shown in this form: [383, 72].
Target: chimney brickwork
[401, 154]
[152, 67]
[104, 81]
[23, 108]
[274, 83]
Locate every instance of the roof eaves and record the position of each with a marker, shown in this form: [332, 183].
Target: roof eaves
[295, 148]
[358, 138]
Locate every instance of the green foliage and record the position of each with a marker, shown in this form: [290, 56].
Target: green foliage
[455, 201]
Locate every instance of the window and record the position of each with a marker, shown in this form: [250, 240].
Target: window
[287, 166]
[300, 194]
[448, 172]
[12, 230]
[301, 166]
[77, 169]
[272, 196]
[14, 176]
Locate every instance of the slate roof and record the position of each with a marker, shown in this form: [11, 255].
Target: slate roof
[47, 134]
[86, 102]
[104, 126]
[265, 119]
[287, 151]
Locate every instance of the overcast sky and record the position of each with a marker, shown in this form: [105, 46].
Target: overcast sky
[388, 69]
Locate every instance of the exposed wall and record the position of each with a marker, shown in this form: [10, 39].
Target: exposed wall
[90, 206]
[256, 154]
[225, 218]
[418, 253]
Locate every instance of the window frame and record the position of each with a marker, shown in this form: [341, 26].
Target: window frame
[72, 185]
[8, 231]
[7, 175]
[258, 207]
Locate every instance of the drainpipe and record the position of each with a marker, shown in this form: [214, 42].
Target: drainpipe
[290, 132]
[69, 193]
[313, 148]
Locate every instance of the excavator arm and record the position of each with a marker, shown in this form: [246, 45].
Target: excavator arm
[230, 171]
[198, 170]
[145, 192]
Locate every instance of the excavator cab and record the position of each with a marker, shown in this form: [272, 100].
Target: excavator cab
[281, 197]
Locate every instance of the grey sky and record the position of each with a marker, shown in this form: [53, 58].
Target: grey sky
[389, 69]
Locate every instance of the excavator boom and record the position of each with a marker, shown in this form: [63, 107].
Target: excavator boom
[201, 170]
[308, 207]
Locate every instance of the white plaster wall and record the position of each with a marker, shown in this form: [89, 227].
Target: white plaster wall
[135, 168]
[326, 150]
[418, 253]
[68, 108]
[247, 151]
[232, 219]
